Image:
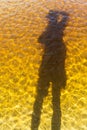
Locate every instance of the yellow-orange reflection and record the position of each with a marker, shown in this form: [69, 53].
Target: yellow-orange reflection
[21, 23]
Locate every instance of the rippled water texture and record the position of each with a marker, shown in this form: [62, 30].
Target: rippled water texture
[21, 24]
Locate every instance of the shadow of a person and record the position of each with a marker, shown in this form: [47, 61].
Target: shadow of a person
[52, 68]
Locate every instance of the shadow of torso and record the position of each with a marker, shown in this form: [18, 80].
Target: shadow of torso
[52, 68]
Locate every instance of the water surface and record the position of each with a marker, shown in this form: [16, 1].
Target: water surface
[21, 24]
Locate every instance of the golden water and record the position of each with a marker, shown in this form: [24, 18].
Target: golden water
[21, 23]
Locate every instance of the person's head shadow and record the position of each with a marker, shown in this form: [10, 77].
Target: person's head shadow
[52, 68]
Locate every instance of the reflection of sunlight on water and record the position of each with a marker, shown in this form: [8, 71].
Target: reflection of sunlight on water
[20, 59]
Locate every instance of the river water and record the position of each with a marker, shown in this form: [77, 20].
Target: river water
[21, 54]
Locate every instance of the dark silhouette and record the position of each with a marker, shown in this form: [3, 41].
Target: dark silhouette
[52, 68]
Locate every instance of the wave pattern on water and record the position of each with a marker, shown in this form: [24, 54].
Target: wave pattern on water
[21, 24]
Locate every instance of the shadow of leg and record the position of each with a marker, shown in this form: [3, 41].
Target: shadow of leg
[36, 112]
[56, 118]
[42, 91]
